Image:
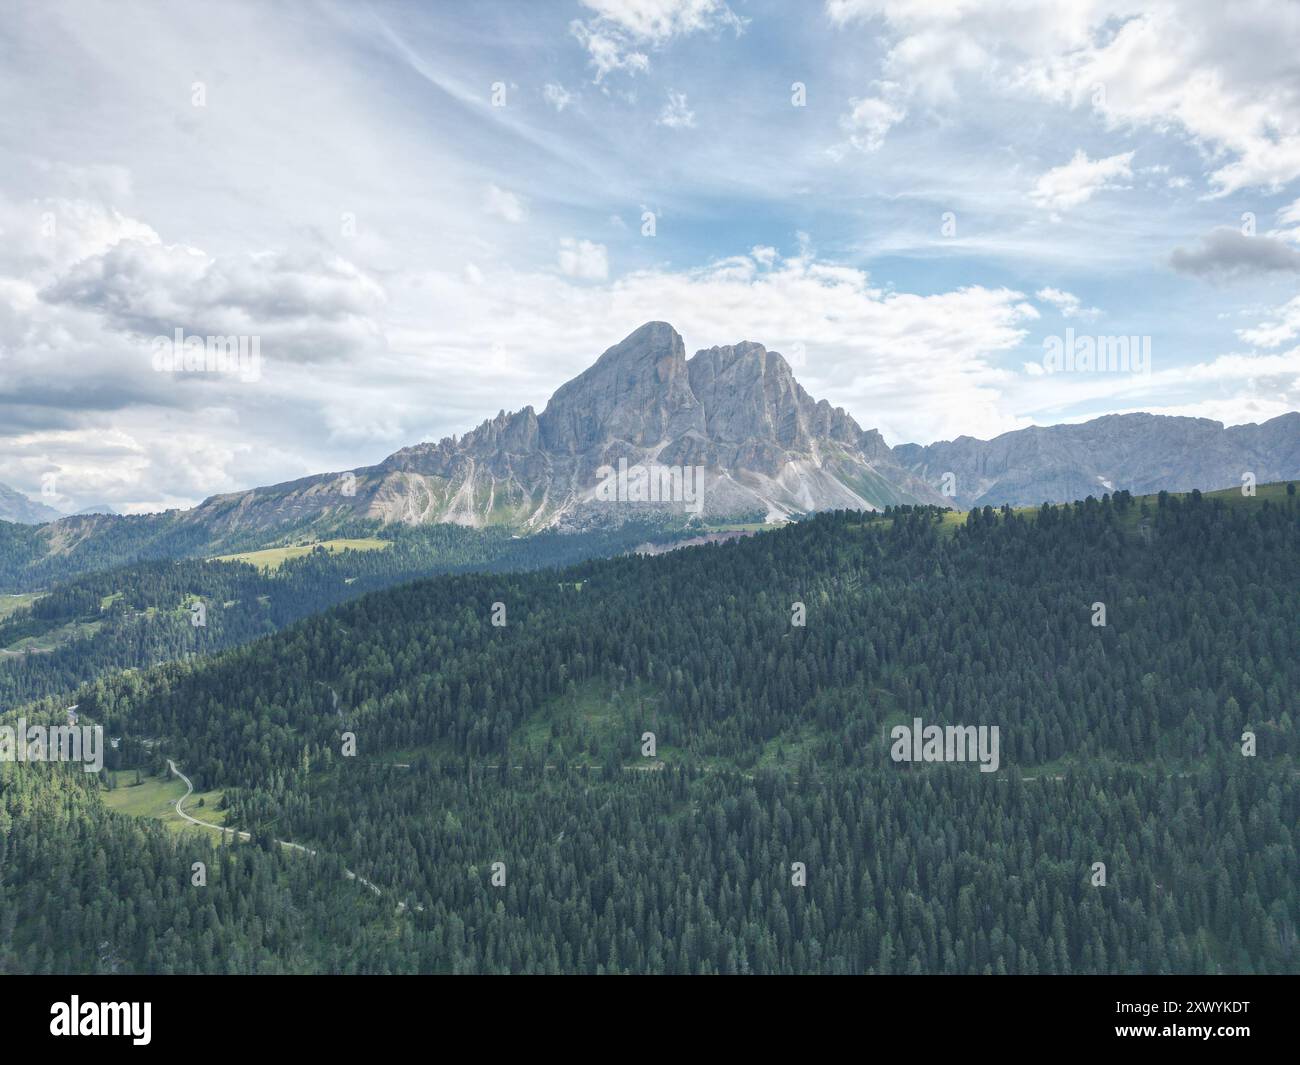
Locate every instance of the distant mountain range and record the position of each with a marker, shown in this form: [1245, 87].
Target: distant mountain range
[14, 506]
[765, 449]
[1142, 453]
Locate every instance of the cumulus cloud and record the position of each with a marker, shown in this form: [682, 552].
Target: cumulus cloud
[1077, 181]
[368, 336]
[869, 120]
[503, 204]
[583, 259]
[307, 306]
[1221, 74]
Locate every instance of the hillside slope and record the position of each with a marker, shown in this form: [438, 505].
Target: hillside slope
[523, 744]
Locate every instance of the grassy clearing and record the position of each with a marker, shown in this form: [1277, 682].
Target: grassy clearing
[787, 748]
[155, 797]
[582, 724]
[48, 641]
[10, 604]
[272, 558]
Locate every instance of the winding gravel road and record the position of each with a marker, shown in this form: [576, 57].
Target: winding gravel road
[189, 790]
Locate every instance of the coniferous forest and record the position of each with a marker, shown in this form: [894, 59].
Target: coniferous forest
[682, 763]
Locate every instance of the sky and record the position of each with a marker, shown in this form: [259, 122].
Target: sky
[423, 214]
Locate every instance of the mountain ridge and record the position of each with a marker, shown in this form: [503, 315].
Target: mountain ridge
[766, 450]
[18, 508]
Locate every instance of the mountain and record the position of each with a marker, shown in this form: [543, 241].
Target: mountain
[766, 450]
[1140, 452]
[16, 507]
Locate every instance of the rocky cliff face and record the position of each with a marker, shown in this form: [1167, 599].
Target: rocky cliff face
[1138, 452]
[766, 450]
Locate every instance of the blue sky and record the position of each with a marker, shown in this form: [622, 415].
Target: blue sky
[416, 249]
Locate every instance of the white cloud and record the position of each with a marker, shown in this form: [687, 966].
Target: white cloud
[1067, 303]
[918, 367]
[503, 204]
[676, 115]
[1077, 181]
[557, 95]
[618, 36]
[583, 259]
[660, 20]
[305, 306]
[609, 52]
[870, 119]
[1222, 74]
[1284, 326]
[367, 326]
[1289, 218]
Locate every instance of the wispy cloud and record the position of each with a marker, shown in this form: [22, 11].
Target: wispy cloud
[1077, 181]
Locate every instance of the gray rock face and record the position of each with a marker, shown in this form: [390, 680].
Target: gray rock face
[1138, 452]
[767, 450]
[755, 412]
[16, 507]
[638, 392]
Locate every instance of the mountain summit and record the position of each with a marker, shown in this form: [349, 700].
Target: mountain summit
[763, 448]
[753, 445]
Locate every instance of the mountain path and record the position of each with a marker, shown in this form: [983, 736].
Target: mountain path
[246, 836]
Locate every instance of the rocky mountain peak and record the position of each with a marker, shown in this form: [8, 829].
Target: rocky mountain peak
[637, 392]
[763, 446]
[749, 392]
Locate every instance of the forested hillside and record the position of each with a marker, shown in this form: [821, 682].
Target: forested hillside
[522, 742]
[138, 615]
